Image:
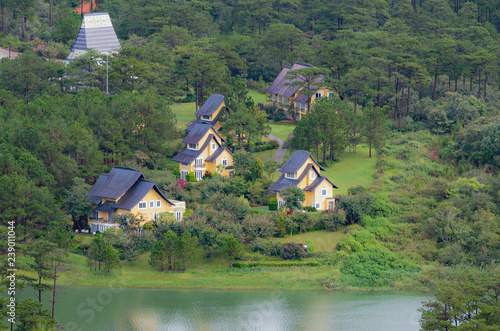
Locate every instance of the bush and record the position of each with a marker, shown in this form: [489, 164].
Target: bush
[252, 264]
[310, 209]
[293, 251]
[333, 219]
[272, 204]
[356, 206]
[190, 177]
[267, 247]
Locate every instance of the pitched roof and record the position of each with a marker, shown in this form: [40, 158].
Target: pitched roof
[136, 193]
[96, 32]
[218, 152]
[91, 195]
[188, 155]
[297, 160]
[117, 182]
[283, 182]
[281, 85]
[198, 131]
[317, 182]
[210, 106]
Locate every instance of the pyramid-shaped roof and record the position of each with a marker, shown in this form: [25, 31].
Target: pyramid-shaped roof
[96, 33]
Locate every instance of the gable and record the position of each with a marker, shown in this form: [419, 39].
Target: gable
[117, 182]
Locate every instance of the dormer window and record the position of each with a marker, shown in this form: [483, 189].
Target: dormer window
[290, 175]
[205, 117]
[214, 146]
[312, 175]
[319, 94]
[192, 146]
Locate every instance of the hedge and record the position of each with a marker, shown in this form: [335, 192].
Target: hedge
[252, 264]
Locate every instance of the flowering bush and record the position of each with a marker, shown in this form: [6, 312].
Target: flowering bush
[333, 219]
[260, 227]
[43, 50]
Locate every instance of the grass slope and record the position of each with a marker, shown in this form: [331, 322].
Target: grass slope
[323, 240]
[353, 169]
[281, 130]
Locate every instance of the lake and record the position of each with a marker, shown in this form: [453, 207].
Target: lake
[91, 308]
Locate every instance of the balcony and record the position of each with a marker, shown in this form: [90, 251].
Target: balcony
[199, 166]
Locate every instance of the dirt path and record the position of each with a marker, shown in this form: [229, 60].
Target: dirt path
[5, 53]
[280, 153]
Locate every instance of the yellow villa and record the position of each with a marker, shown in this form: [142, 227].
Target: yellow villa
[302, 171]
[204, 153]
[126, 191]
[210, 112]
[287, 95]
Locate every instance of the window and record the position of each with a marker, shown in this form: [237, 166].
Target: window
[323, 192]
[214, 146]
[94, 214]
[156, 216]
[312, 175]
[183, 174]
[319, 94]
[192, 146]
[290, 175]
[185, 165]
[224, 162]
[281, 203]
[151, 204]
[286, 100]
[158, 203]
[178, 216]
[330, 94]
[205, 117]
[198, 163]
[198, 175]
[331, 204]
[143, 205]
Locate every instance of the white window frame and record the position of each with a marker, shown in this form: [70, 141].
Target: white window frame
[158, 203]
[224, 162]
[198, 163]
[290, 175]
[151, 204]
[198, 175]
[325, 192]
[319, 95]
[185, 165]
[214, 146]
[333, 204]
[205, 117]
[142, 203]
[178, 216]
[312, 175]
[281, 203]
[183, 174]
[190, 146]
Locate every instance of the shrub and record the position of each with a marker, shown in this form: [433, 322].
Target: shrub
[258, 227]
[293, 251]
[267, 247]
[190, 177]
[356, 190]
[252, 264]
[272, 204]
[333, 219]
[310, 209]
[355, 206]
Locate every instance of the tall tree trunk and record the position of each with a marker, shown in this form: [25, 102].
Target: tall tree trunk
[22, 23]
[470, 88]
[332, 154]
[196, 92]
[434, 87]
[408, 103]
[50, 21]
[485, 81]
[260, 25]
[2, 5]
[401, 107]
[378, 91]
[456, 84]
[449, 83]
[201, 86]
[463, 81]
[54, 290]
[324, 154]
[479, 86]
[396, 107]
[370, 152]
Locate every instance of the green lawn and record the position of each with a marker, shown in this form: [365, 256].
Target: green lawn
[184, 111]
[281, 130]
[353, 169]
[265, 155]
[323, 240]
[257, 96]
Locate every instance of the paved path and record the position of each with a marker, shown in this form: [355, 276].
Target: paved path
[280, 153]
[5, 53]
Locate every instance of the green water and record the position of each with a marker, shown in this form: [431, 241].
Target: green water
[89, 308]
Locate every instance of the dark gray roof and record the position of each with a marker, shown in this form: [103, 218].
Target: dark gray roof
[218, 152]
[107, 207]
[283, 182]
[198, 131]
[281, 85]
[188, 155]
[91, 195]
[297, 160]
[210, 106]
[119, 180]
[199, 120]
[317, 182]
